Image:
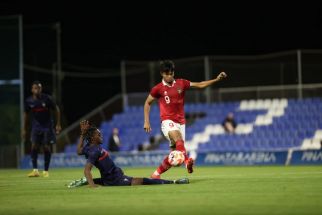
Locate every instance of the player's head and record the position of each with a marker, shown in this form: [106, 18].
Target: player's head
[230, 115]
[36, 88]
[94, 136]
[167, 70]
[115, 131]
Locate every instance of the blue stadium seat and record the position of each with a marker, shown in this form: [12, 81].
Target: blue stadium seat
[300, 120]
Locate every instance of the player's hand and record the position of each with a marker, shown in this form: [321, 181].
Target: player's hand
[93, 186]
[58, 129]
[222, 75]
[147, 127]
[84, 126]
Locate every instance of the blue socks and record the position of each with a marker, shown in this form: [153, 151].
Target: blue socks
[149, 181]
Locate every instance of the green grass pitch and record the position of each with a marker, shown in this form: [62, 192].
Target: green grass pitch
[212, 190]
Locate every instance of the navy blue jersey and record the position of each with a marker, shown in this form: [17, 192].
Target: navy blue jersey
[40, 110]
[99, 157]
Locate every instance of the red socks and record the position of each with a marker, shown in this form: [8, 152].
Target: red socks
[180, 147]
[165, 163]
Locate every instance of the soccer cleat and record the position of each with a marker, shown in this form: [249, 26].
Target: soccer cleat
[154, 176]
[34, 173]
[45, 174]
[189, 165]
[182, 181]
[77, 183]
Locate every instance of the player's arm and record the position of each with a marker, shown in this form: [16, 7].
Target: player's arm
[204, 84]
[80, 145]
[84, 126]
[88, 175]
[25, 125]
[147, 107]
[58, 117]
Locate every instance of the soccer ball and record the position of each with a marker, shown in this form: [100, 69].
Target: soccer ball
[176, 158]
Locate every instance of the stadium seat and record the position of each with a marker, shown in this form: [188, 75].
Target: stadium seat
[272, 124]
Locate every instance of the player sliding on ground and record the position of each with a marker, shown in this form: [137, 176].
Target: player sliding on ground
[111, 175]
[170, 94]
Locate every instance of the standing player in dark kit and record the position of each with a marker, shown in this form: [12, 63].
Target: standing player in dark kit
[170, 95]
[39, 106]
[111, 175]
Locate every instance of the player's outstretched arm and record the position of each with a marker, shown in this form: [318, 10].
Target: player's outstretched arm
[88, 175]
[204, 84]
[25, 125]
[58, 117]
[147, 107]
[84, 126]
[80, 145]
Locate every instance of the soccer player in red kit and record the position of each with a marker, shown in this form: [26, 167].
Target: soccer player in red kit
[170, 94]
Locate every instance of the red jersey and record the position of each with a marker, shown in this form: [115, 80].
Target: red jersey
[171, 99]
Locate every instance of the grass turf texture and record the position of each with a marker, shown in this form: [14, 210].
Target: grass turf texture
[212, 190]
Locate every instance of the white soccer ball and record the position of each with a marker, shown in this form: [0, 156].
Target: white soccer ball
[176, 158]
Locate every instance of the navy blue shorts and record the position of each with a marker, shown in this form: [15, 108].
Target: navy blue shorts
[43, 137]
[123, 181]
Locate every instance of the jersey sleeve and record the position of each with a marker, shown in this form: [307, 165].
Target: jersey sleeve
[93, 157]
[186, 84]
[155, 92]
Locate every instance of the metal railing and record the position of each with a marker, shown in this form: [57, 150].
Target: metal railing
[114, 105]
[295, 67]
[290, 74]
[240, 93]
[102, 113]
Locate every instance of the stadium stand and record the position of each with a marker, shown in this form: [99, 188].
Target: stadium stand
[270, 124]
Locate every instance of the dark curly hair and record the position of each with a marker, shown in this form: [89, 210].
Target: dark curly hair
[89, 133]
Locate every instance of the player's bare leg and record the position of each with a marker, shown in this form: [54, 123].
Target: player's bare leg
[164, 166]
[178, 144]
[176, 137]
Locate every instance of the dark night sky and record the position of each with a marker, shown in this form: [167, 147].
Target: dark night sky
[100, 35]
[164, 29]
